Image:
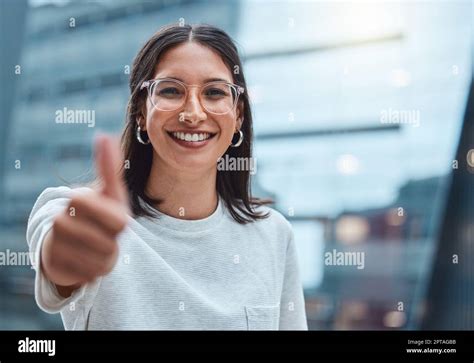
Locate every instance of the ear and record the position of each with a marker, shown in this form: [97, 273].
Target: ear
[141, 118]
[141, 122]
[240, 116]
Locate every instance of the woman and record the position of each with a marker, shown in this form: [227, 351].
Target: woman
[168, 241]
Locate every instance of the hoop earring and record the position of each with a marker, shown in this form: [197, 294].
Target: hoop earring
[241, 138]
[139, 137]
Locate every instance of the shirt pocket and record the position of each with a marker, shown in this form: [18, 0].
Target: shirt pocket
[264, 317]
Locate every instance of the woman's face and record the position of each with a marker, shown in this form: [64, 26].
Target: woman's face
[193, 64]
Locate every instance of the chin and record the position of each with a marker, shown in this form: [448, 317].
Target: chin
[194, 163]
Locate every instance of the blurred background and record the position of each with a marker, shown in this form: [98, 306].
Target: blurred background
[358, 108]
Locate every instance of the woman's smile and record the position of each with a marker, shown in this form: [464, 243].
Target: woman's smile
[191, 139]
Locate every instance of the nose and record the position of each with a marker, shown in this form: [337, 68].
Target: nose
[193, 112]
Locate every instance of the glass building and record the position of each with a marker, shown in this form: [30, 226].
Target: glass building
[357, 115]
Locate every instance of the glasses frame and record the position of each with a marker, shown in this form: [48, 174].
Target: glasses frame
[150, 83]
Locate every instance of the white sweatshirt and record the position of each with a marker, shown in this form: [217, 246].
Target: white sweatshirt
[208, 274]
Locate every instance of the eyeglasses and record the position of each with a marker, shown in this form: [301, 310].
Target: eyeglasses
[167, 94]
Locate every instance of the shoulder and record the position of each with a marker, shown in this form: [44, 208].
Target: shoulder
[275, 218]
[275, 226]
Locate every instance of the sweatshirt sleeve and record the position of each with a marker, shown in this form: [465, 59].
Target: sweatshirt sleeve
[292, 306]
[50, 203]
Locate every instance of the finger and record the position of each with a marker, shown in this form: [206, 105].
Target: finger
[82, 233]
[70, 274]
[81, 263]
[109, 166]
[102, 212]
[74, 270]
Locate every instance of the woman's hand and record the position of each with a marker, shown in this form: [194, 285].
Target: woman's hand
[82, 243]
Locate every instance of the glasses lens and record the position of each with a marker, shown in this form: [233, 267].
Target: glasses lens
[218, 98]
[167, 95]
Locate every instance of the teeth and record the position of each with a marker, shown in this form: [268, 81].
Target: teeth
[191, 137]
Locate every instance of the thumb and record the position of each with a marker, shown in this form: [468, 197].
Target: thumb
[109, 162]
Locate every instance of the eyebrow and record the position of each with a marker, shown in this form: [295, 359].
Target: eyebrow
[205, 81]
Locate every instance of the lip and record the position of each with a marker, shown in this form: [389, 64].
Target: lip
[188, 131]
[191, 144]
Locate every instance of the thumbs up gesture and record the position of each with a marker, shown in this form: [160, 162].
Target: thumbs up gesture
[82, 245]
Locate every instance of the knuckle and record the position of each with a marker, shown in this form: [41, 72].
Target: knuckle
[109, 263]
[118, 216]
[108, 248]
[121, 222]
[104, 269]
[88, 269]
[114, 249]
[101, 268]
[89, 275]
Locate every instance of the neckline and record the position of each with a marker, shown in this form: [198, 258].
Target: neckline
[186, 225]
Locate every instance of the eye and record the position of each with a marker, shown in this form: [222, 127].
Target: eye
[215, 92]
[169, 91]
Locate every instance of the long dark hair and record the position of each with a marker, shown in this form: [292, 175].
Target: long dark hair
[233, 187]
